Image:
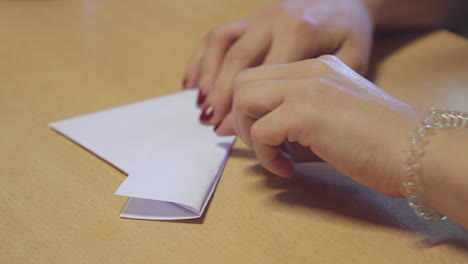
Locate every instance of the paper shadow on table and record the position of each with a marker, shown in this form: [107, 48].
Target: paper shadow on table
[321, 187]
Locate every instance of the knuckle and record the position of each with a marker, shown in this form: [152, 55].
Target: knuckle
[204, 83]
[276, 11]
[240, 99]
[241, 78]
[237, 53]
[257, 134]
[357, 64]
[295, 127]
[245, 103]
[323, 64]
[305, 113]
[298, 24]
[316, 67]
[218, 34]
[307, 94]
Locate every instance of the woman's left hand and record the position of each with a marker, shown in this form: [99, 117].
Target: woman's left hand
[325, 106]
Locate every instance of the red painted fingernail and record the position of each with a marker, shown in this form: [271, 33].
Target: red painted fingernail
[207, 114]
[217, 125]
[184, 83]
[201, 98]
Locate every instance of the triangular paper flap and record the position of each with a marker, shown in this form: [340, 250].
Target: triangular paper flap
[160, 143]
[118, 133]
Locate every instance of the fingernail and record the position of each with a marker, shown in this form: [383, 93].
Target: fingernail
[217, 125]
[207, 114]
[184, 83]
[201, 98]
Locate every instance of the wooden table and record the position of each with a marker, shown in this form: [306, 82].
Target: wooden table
[64, 58]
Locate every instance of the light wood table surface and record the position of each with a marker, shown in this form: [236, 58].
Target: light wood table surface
[60, 59]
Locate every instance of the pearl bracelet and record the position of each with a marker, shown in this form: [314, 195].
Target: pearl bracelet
[433, 120]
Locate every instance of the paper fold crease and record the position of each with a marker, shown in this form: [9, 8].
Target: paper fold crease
[173, 162]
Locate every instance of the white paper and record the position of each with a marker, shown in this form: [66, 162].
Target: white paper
[173, 162]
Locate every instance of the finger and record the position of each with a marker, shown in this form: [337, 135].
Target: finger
[267, 137]
[192, 71]
[225, 127]
[248, 51]
[286, 48]
[242, 124]
[355, 55]
[298, 39]
[299, 153]
[218, 41]
[298, 70]
[253, 101]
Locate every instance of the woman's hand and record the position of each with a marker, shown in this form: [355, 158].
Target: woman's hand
[285, 32]
[324, 105]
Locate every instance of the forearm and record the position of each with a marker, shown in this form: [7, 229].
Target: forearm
[408, 14]
[445, 174]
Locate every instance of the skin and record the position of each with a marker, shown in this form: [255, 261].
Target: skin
[294, 30]
[284, 32]
[334, 112]
[249, 85]
[328, 108]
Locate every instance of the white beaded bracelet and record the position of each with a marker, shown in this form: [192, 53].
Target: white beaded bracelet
[412, 182]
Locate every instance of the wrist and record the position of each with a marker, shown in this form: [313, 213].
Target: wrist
[434, 172]
[445, 169]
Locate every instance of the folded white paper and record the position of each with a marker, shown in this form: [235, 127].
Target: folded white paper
[173, 162]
